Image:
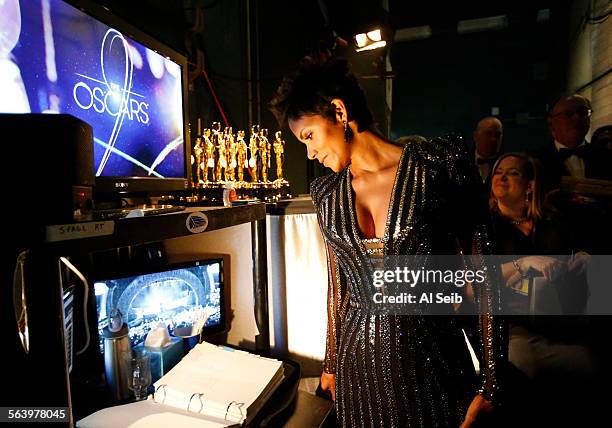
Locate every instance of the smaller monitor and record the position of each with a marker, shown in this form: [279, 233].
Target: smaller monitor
[172, 295]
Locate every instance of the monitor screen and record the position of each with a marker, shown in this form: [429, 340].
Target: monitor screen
[55, 58]
[175, 296]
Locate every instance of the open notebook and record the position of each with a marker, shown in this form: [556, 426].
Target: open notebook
[212, 386]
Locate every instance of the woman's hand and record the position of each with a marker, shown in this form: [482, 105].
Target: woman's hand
[479, 406]
[328, 383]
[548, 266]
[578, 263]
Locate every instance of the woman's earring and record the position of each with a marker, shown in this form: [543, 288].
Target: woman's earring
[527, 196]
[348, 132]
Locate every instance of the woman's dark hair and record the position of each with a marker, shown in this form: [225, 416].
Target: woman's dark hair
[310, 88]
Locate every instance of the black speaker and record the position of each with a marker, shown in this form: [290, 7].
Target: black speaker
[49, 175]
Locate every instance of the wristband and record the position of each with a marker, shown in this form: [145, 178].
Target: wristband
[519, 270]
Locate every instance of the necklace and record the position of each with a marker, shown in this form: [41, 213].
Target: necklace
[519, 221]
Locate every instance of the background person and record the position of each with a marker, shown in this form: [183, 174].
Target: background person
[552, 356]
[569, 120]
[488, 137]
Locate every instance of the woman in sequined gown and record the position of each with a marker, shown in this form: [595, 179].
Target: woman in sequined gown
[386, 198]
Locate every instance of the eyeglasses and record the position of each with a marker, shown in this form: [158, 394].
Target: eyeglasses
[583, 112]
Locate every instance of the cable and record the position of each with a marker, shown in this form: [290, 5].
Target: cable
[601, 18]
[22, 319]
[601, 76]
[86, 295]
[214, 95]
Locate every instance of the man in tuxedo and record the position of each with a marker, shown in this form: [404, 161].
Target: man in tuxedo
[586, 221]
[569, 154]
[488, 137]
[569, 120]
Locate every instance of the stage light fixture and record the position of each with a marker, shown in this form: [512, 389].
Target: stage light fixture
[369, 41]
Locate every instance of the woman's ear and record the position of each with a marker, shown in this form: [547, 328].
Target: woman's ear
[340, 108]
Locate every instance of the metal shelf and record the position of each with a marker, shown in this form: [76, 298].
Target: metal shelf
[47, 359]
[99, 235]
[298, 205]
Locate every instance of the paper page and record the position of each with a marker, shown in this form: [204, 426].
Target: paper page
[147, 414]
[222, 375]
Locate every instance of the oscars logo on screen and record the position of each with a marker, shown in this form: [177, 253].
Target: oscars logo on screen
[108, 97]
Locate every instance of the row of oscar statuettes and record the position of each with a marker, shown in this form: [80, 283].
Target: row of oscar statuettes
[222, 156]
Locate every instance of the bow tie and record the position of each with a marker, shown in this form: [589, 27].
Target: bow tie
[489, 161]
[578, 151]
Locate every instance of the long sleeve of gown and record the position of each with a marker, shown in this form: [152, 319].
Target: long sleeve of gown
[337, 300]
[491, 326]
[472, 222]
[337, 296]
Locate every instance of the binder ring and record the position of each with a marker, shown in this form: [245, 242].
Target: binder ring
[199, 395]
[237, 404]
[163, 388]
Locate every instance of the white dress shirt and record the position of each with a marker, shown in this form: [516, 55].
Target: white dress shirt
[484, 168]
[574, 164]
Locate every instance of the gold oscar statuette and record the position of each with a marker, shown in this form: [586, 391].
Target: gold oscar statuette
[230, 144]
[219, 143]
[241, 155]
[279, 154]
[198, 151]
[264, 150]
[254, 147]
[209, 155]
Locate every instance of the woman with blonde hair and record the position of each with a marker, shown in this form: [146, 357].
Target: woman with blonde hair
[551, 354]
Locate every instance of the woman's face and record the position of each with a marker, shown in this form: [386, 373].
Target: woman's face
[324, 140]
[509, 185]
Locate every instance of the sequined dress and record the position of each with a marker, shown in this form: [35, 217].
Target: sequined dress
[397, 370]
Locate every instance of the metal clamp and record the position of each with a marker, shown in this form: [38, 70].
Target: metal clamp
[163, 388]
[237, 404]
[199, 395]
